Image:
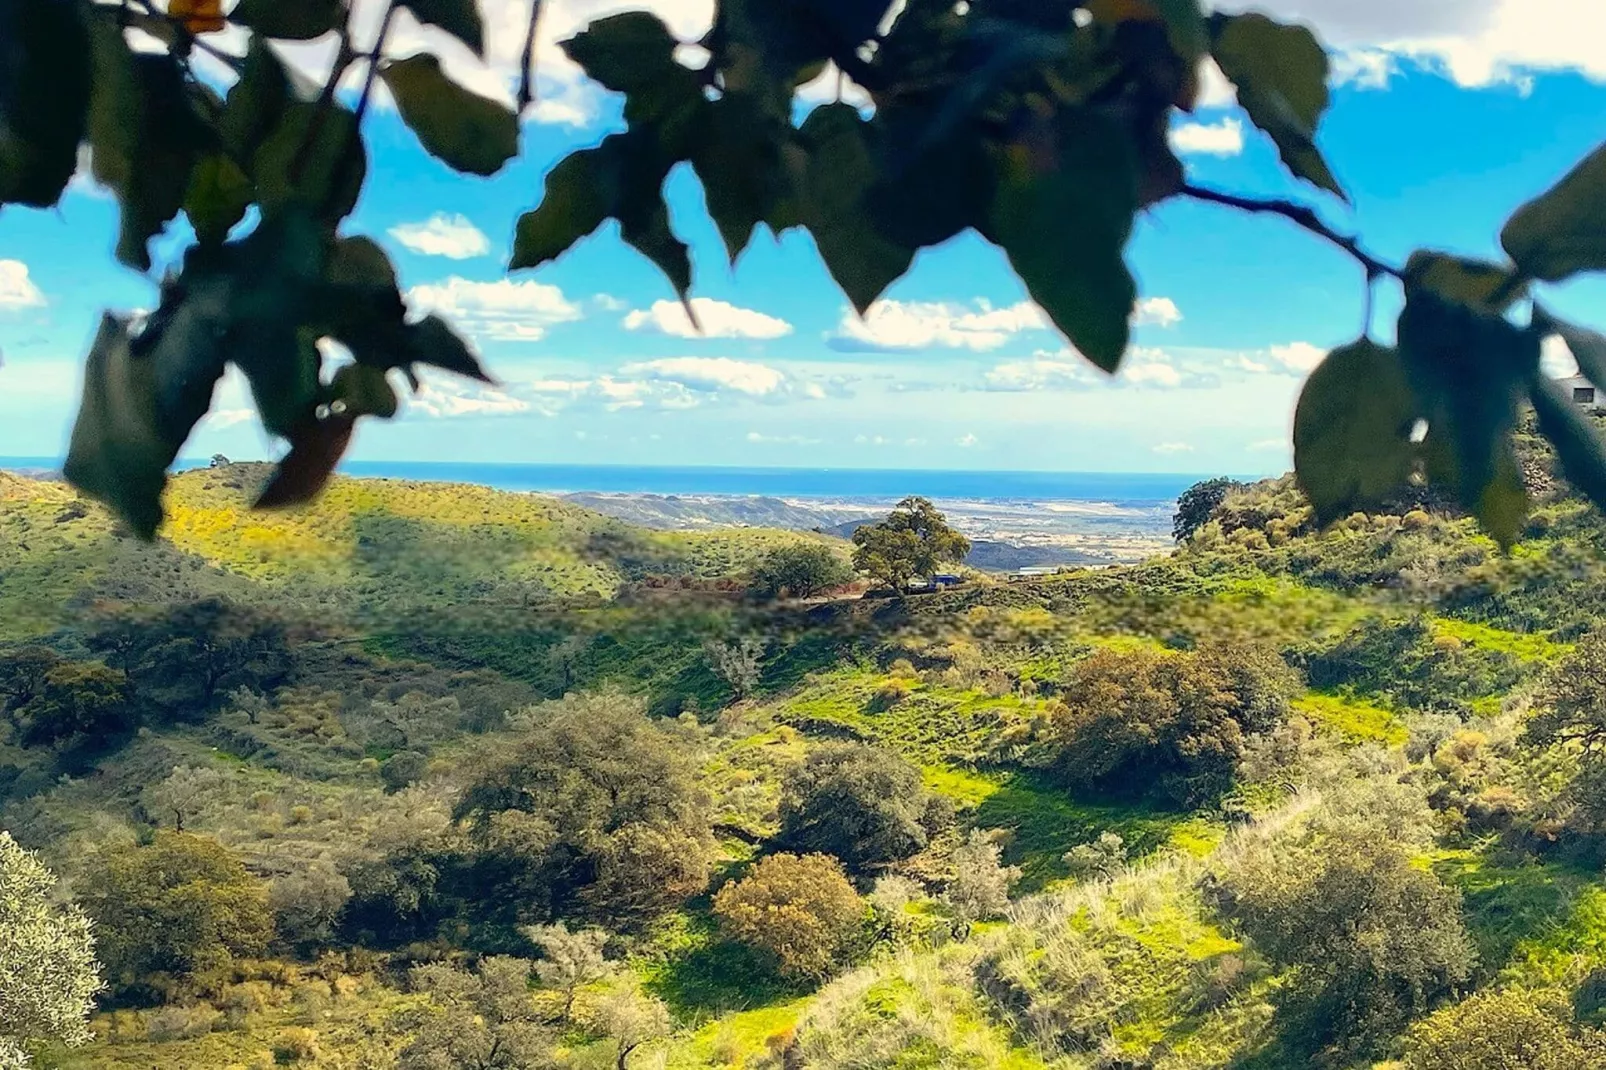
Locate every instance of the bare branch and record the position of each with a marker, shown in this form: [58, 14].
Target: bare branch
[527, 62]
[1300, 215]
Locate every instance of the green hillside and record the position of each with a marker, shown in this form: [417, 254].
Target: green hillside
[1281, 798]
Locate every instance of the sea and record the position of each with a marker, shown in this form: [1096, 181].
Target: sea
[822, 483]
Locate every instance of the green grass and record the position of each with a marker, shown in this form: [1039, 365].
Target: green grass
[1527, 647]
[1352, 718]
[1532, 922]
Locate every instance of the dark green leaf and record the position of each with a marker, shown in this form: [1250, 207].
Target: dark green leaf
[1469, 370]
[645, 227]
[282, 364]
[331, 174]
[462, 129]
[44, 94]
[845, 23]
[432, 341]
[627, 53]
[1582, 454]
[315, 449]
[255, 103]
[1475, 283]
[460, 18]
[136, 412]
[1562, 231]
[291, 20]
[838, 177]
[1587, 347]
[1352, 430]
[144, 134]
[218, 197]
[738, 162]
[359, 390]
[1281, 75]
[1063, 211]
[578, 198]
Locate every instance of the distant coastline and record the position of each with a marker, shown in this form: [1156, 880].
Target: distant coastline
[814, 483]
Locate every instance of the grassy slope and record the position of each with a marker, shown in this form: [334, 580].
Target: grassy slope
[414, 545]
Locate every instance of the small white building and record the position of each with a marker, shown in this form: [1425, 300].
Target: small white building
[1582, 391]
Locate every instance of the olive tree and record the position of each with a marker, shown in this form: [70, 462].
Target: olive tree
[48, 974]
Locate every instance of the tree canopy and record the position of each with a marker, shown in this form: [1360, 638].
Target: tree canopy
[914, 540]
[1039, 124]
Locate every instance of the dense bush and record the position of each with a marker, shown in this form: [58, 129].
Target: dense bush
[173, 914]
[1197, 503]
[800, 570]
[864, 805]
[1407, 664]
[1504, 1029]
[801, 911]
[1377, 939]
[484, 1019]
[594, 813]
[1171, 723]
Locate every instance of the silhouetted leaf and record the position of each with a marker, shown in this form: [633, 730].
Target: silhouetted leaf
[291, 20]
[1469, 370]
[44, 93]
[255, 103]
[462, 129]
[144, 135]
[315, 450]
[460, 18]
[432, 341]
[1183, 20]
[845, 23]
[577, 200]
[1063, 212]
[1578, 445]
[1476, 283]
[737, 159]
[135, 414]
[626, 53]
[218, 197]
[836, 181]
[1281, 75]
[331, 176]
[623, 179]
[359, 390]
[1562, 231]
[1352, 430]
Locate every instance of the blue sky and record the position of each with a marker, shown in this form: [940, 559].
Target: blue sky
[1444, 119]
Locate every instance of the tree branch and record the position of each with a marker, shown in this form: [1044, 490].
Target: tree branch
[155, 17]
[527, 60]
[1300, 215]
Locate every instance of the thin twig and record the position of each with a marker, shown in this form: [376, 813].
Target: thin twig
[527, 61]
[373, 69]
[184, 36]
[1301, 216]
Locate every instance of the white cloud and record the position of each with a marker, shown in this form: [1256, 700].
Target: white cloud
[716, 318]
[711, 374]
[759, 438]
[1267, 445]
[870, 440]
[966, 441]
[500, 311]
[447, 399]
[218, 419]
[610, 303]
[1066, 370]
[1473, 42]
[1173, 447]
[1159, 311]
[1555, 359]
[910, 325]
[1222, 138]
[1297, 357]
[451, 236]
[1364, 68]
[17, 290]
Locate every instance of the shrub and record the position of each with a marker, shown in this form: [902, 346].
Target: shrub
[181, 1023]
[296, 1045]
[1502, 1030]
[180, 909]
[48, 976]
[1174, 723]
[800, 570]
[862, 804]
[1101, 858]
[1196, 504]
[306, 905]
[1376, 939]
[801, 911]
[402, 768]
[980, 886]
